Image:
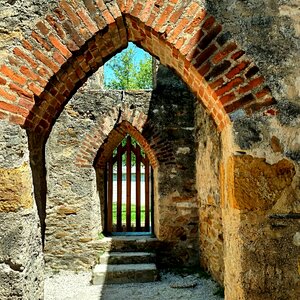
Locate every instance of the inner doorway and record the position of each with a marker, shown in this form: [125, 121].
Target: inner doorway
[128, 190]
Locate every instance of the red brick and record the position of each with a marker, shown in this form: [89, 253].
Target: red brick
[208, 23]
[179, 43]
[60, 46]
[217, 83]
[204, 69]
[239, 103]
[163, 17]
[192, 44]
[3, 115]
[57, 27]
[205, 55]
[12, 75]
[87, 21]
[207, 39]
[192, 9]
[37, 90]
[59, 58]
[14, 62]
[224, 52]
[27, 45]
[101, 4]
[16, 119]
[28, 73]
[41, 41]
[24, 102]
[70, 12]
[2, 81]
[92, 9]
[229, 86]
[21, 92]
[108, 17]
[21, 54]
[146, 12]
[251, 85]
[43, 72]
[237, 54]
[265, 91]
[13, 108]
[129, 5]
[194, 25]
[59, 13]
[237, 70]
[227, 98]
[8, 96]
[176, 14]
[73, 33]
[178, 29]
[46, 61]
[42, 28]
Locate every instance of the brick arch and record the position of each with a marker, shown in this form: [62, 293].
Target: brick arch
[70, 43]
[110, 130]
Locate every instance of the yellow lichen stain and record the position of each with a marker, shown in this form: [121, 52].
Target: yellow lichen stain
[255, 184]
[15, 189]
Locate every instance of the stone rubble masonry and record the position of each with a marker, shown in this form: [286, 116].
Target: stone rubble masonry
[81, 141]
[236, 57]
[208, 163]
[46, 67]
[21, 258]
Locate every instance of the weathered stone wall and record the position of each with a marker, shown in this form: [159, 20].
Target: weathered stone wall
[73, 221]
[75, 213]
[21, 260]
[208, 160]
[172, 109]
[269, 32]
[261, 211]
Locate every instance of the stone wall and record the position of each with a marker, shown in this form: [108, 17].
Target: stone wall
[75, 208]
[172, 109]
[264, 33]
[73, 221]
[208, 163]
[21, 259]
[262, 205]
[269, 32]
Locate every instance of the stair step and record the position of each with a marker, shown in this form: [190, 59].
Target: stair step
[115, 258]
[129, 243]
[124, 273]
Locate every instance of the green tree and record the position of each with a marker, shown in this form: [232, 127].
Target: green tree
[127, 74]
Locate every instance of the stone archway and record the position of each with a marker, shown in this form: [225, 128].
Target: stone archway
[48, 65]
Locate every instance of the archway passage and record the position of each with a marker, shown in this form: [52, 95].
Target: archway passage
[46, 68]
[128, 190]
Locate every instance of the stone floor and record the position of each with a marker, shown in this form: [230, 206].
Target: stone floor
[76, 286]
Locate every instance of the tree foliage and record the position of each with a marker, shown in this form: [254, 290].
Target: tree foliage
[128, 75]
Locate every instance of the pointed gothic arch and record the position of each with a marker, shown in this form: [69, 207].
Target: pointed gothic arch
[70, 43]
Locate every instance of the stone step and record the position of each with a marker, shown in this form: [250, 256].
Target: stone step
[129, 244]
[124, 273]
[115, 258]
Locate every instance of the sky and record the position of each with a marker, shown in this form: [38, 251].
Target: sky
[139, 55]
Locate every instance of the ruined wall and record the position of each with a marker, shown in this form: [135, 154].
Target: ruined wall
[74, 211]
[21, 259]
[269, 32]
[73, 221]
[209, 156]
[172, 110]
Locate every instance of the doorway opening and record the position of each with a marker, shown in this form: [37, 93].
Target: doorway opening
[129, 190]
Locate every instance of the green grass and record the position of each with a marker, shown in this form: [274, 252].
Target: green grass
[133, 214]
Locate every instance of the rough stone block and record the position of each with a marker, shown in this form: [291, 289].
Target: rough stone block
[255, 184]
[15, 189]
